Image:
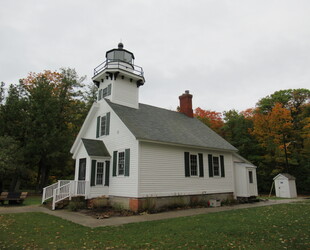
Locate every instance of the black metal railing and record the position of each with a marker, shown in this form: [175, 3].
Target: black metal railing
[117, 64]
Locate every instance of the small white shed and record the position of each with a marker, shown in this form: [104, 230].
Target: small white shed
[285, 185]
[245, 180]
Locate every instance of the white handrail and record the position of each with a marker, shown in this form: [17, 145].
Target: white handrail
[61, 193]
[48, 191]
[71, 188]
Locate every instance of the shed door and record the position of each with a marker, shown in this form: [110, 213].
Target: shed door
[283, 189]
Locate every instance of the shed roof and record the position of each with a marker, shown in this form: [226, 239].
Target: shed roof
[162, 125]
[288, 176]
[95, 147]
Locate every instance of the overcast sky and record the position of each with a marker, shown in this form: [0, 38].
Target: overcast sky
[229, 54]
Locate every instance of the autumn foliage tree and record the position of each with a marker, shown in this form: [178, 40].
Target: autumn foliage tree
[281, 125]
[210, 118]
[273, 130]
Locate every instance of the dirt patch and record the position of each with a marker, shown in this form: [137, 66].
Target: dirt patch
[107, 212]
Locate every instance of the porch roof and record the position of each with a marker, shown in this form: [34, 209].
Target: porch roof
[95, 147]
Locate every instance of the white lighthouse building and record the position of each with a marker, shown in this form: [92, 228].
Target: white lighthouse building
[129, 152]
[118, 79]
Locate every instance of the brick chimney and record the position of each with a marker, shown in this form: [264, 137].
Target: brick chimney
[186, 104]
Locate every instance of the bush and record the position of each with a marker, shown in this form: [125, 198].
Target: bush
[77, 204]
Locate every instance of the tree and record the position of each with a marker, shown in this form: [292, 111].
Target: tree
[291, 99]
[52, 98]
[287, 143]
[236, 131]
[273, 131]
[212, 119]
[11, 162]
[13, 112]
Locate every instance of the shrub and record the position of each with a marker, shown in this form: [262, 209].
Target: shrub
[76, 204]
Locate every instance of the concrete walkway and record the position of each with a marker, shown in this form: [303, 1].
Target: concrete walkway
[89, 221]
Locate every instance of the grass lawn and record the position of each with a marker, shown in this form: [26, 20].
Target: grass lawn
[272, 227]
[30, 200]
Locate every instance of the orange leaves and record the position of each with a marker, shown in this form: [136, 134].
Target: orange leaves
[273, 125]
[211, 118]
[53, 78]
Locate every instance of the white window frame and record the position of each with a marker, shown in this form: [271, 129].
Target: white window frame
[219, 165]
[191, 165]
[103, 168]
[103, 118]
[121, 162]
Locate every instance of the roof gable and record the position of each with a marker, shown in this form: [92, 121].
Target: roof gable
[161, 125]
[285, 175]
[85, 126]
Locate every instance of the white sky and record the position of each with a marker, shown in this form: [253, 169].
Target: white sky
[229, 54]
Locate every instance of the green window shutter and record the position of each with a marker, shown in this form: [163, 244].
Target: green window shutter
[100, 94]
[98, 127]
[114, 163]
[210, 165]
[127, 161]
[107, 173]
[109, 89]
[93, 173]
[222, 166]
[201, 174]
[186, 164]
[107, 124]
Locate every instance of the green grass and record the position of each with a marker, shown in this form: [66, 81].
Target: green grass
[272, 197]
[271, 227]
[30, 200]
[33, 200]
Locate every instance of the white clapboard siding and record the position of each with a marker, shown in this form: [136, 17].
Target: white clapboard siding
[162, 172]
[241, 181]
[125, 92]
[97, 191]
[119, 138]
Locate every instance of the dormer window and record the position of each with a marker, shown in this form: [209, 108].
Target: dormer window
[104, 92]
[103, 125]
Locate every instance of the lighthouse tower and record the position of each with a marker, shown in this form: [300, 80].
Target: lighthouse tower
[118, 79]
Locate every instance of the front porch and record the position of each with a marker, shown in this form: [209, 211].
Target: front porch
[64, 189]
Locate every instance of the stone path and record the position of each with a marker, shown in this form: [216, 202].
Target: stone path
[88, 221]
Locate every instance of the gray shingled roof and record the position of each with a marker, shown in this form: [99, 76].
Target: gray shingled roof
[161, 125]
[95, 147]
[288, 176]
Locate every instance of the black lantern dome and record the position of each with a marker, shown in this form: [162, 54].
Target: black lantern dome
[120, 55]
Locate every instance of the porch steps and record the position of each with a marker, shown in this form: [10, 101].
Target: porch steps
[64, 190]
[59, 205]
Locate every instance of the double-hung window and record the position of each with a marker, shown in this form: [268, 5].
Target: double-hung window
[104, 92]
[121, 163]
[216, 166]
[103, 125]
[99, 173]
[193, 164]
